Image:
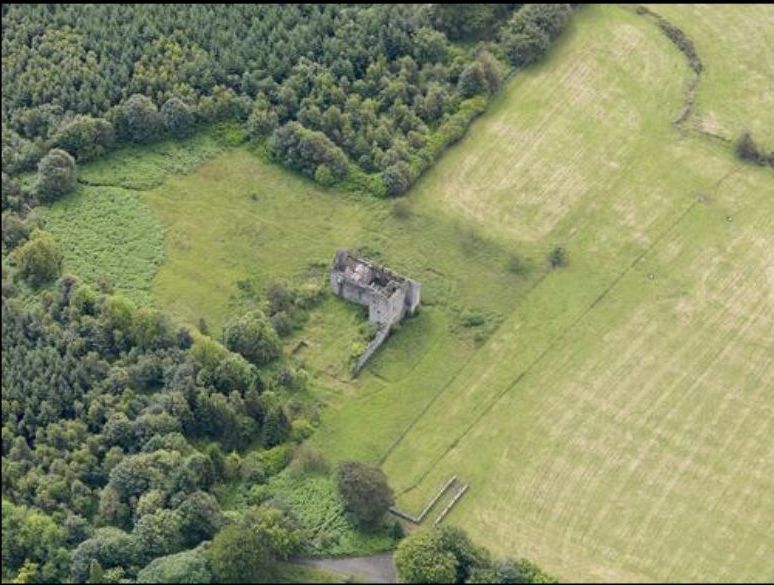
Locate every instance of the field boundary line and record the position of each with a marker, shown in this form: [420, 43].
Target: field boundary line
[443, 388]
[87, 183]
[562, 334]
[450, 505]
[683, 119]
[418, 519]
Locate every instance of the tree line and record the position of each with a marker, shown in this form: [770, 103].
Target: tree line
[335, 89]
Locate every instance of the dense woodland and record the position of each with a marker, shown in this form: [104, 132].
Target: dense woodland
[102, 406]
[123, 430]
[335, 89]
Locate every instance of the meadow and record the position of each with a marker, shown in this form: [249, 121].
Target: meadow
[736, 91]
[613, 417]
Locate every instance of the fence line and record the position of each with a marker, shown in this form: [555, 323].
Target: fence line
[427, 508]
[446, 510]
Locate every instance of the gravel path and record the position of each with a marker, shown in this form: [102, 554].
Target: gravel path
[373, 569]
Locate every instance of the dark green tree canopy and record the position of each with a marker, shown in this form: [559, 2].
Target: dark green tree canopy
[138, 120]
[190, 566]
[307, 150]
[85, 137]
[530, 31]
[56, 175]
[446, 555]
[178, 117]
[122, 400]
[746, 149]
[241, 552]
[40, 260]
[421, 558]
[253, 337]
[366, 494]
[376, 81]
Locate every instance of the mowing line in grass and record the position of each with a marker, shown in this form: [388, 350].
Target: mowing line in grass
[550, 346]
[443, 388]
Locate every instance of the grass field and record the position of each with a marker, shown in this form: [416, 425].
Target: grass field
[736, 91]
[614, 417]
[601, 427]
[615, 426]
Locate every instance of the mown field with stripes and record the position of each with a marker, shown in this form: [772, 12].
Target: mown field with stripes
[618, 423]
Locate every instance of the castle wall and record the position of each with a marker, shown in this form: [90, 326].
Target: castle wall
[351, 291]
[389, 311]
[413, 294]
[381, 336]
[361, 282]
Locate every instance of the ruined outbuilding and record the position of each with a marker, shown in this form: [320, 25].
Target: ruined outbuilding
[388, 295]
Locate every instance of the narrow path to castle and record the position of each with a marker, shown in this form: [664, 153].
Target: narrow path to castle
[372, 569]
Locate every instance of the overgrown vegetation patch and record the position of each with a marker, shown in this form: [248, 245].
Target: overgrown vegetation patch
[146, 166]
[314, 500]
[109, 237]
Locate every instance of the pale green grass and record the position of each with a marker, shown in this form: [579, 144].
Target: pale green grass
[615, 426]
[238, 217]
[106, 232]
[235, 218]
[325, 342]
[735, 43]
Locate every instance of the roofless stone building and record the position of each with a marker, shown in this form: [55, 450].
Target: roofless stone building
[388, 295]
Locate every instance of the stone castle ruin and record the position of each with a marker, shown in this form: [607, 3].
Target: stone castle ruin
[388, 295]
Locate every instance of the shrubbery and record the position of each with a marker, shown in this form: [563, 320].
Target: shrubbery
[365, 492]
[307, 459]
[397, 179]
[288, 307]
[446, 555]
[57, 175]
[138, 120]
[747, 150]
[483, 76]
[242, 552]
[558, 257]
[85, 137]
[469, 21]
[190, 566]
[529, 33]
[39, 260]
[678, 37]
[178, 118]
[253, 337]
[307, 150]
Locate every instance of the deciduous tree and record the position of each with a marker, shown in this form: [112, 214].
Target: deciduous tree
[366, 494]
[57, 175]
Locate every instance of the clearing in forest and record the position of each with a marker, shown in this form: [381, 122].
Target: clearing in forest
[612, 417]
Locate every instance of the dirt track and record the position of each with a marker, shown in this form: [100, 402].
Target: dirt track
[373, 569]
